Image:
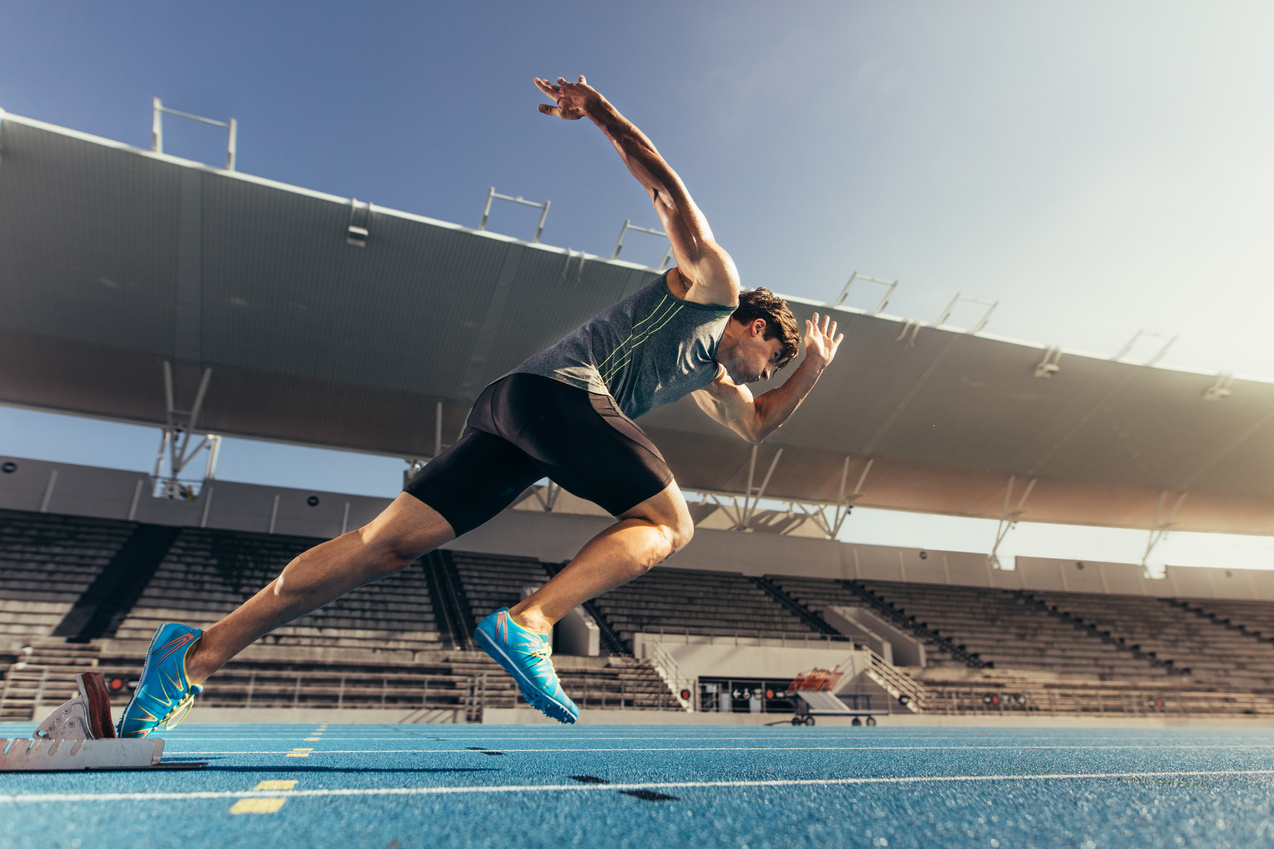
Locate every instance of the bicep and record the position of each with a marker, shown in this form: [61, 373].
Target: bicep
[727, 403]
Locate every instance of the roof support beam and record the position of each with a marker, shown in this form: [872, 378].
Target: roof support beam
[1159, 530]
[831, 525]
[547, 496]
[1008, 518]
[175, 441]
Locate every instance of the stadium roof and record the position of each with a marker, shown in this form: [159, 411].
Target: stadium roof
[114, 260]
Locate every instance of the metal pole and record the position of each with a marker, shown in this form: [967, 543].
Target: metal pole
[157, 128]
[540, 228]
[619, 243]
[438, 429]
[486, 210]
[214, 451]
[884, 302]
[840, 299]
[234, 144]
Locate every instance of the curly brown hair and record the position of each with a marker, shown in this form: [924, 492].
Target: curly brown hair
[779, 321]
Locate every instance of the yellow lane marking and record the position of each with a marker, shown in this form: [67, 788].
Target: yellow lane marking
[263, 804]
[275, 785]
[299, 753]
[312, 739]
[258, 805]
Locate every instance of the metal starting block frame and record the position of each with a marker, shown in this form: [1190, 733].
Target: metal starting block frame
[812, 703]
[79, 735]
[811, 695]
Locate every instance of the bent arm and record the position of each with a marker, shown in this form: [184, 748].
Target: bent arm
[709, 271]
[755, 418]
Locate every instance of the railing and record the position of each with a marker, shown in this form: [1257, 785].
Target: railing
[1068, 701]
[476, 698]
[897, 684]
[279, 689]
[667, 667]
[740, 638]
[893, 614]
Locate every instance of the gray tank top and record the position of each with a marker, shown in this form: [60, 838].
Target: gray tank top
[650, 349]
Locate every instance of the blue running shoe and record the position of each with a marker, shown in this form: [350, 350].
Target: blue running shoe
[525, 655]
[164, 695]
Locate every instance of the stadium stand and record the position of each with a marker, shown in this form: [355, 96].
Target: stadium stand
[1254, 618]
[1038, 656]
[207, 574]
[685, 601]
[384, 646]
[47, 562]
[1193, 645]
[377, 647]
[1002, 629]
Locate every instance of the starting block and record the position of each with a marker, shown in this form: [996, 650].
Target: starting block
[79, 735]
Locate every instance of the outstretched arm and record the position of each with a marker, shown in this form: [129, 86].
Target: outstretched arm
[755, 418]
[708, 270]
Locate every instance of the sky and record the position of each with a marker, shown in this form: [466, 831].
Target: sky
[1096, 168]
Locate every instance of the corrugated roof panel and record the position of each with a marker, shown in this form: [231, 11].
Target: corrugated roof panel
[295, 298]
[88, 240]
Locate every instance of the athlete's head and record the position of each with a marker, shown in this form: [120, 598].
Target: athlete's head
[780, 324]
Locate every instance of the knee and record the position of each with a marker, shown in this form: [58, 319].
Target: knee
[678, 532]
[682, 533]
[385, 553]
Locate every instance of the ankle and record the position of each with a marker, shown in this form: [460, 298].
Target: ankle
[197, 670]
[532, 620]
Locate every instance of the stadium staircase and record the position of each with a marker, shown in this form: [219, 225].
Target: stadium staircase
[1251, 618]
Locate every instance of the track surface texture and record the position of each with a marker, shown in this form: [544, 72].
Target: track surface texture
[401, 786]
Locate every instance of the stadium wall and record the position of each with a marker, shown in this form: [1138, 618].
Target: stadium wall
[64, 488]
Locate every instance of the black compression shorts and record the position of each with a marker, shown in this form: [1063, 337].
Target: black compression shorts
[526, 427]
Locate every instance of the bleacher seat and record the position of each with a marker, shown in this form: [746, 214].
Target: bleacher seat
[46, 562]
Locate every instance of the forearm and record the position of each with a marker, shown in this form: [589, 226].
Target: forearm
[773, 408]
[636, 150]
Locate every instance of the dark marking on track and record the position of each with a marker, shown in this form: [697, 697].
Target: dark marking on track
[484, 750]
[650, 796]
[589, 779]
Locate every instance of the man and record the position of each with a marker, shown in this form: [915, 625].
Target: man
[565, 413]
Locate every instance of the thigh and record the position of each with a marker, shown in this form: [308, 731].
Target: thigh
[582, 441]
[474, 479]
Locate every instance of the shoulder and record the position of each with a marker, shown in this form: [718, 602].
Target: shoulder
[713, 280]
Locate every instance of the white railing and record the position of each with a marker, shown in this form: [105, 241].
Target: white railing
[897, 684]
[668, 670]
[811, 640]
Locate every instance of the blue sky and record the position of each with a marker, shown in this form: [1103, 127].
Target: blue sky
[1097, 168]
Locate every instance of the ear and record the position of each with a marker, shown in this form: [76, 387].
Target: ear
[758, 327]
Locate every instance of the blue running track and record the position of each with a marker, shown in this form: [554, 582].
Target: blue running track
[403, 786]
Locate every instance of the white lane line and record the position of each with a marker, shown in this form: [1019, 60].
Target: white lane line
[584, 788]
[863, 748]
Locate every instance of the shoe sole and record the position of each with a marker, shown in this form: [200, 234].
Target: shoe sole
[539, 700]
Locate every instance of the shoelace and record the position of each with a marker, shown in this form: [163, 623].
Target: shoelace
[542, 654]
[175, 716]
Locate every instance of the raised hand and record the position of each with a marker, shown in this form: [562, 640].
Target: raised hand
[571, 99]
[822, 341]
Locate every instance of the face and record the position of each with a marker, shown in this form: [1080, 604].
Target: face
[756, 358]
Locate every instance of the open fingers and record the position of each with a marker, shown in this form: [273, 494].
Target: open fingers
[555, 111]
[547, 87]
